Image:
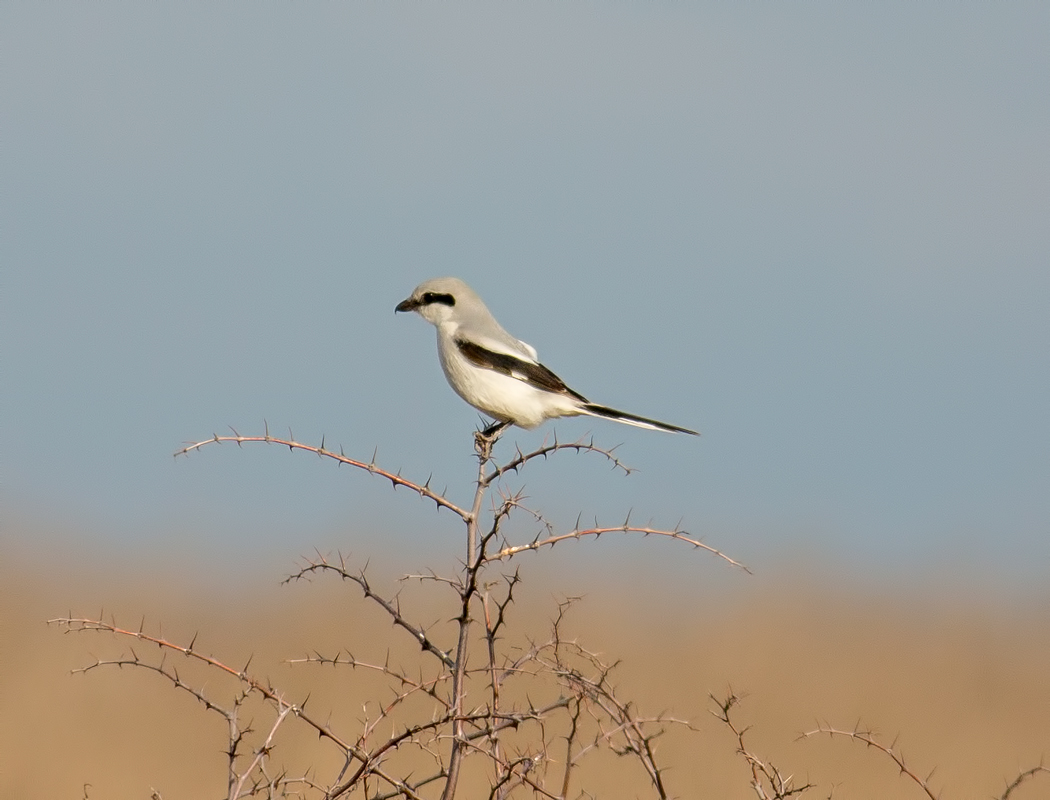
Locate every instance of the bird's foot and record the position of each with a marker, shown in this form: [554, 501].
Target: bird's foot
[487, 437]
[494, 430]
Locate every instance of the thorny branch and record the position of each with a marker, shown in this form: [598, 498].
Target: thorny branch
[869, 739]
[532, 714]
[767, 781]
[545, 450]
[579, 533]
[249, 684]
[418, 633]
[1023, 776]
[422, 489]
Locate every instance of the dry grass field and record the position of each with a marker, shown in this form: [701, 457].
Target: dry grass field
[962, 682]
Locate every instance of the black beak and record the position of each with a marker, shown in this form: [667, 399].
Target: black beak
[407, 305]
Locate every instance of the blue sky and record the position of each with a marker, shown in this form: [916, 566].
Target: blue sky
[819, 234]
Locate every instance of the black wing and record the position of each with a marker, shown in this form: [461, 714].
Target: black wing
[531, 373]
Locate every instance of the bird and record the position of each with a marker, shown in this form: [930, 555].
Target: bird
[499, 375]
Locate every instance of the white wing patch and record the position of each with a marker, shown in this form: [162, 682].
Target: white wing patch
[530, 350]
[510, 347]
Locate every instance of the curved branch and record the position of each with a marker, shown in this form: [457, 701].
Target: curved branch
[868, 738]
[579, 533]
[423, 490]
[415, 631]
[545, 450]
[1021, 778]
[80, 624]
[76, 624]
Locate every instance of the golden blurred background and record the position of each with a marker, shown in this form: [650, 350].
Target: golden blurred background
[960, 681]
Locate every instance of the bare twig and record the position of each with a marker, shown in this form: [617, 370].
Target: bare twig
[767, 781]
[418, 633]
[869, 739]
[579, 533]
[422, 489]
[547, 449]
[252, 684]
[483, 447]
[531, 712]
[1023, 776]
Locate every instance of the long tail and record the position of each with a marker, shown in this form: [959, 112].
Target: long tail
[595, 410]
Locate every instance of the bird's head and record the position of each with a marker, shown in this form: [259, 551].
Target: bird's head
[435, 300]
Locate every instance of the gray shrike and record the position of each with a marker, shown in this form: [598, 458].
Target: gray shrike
[493, 371]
